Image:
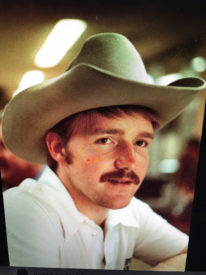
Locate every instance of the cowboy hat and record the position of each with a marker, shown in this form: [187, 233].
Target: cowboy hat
[108, 71]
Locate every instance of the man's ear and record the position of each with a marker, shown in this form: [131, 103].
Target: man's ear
[55, 146]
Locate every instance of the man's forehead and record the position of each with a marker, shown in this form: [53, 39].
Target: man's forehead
[100, 124]
[96, 120]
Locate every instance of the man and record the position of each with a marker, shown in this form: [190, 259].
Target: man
[94, 125]
[13, 169]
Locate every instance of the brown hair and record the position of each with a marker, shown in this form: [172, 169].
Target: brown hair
[85, 120]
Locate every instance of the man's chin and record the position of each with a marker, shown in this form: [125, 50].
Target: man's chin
[117, 204]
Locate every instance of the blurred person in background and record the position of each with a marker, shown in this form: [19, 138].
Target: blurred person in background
[186, 175]
[14, 169]
[174, 198]
[4, 98]
[185, 184]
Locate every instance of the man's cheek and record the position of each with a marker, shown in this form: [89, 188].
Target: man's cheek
[144, 169]
[102, 158]
[93, 166]
[91, 163]
[141, 167]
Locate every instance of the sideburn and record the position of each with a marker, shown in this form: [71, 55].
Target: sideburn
[68, 155]
[69, 158]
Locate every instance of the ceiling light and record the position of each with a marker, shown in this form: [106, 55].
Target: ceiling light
[29, 79]
[63, 36]
[168, 166]
[198, 64]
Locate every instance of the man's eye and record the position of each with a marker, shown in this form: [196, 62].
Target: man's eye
[104, 141]
[141, 143]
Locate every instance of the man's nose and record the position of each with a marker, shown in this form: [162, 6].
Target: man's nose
[125, 159]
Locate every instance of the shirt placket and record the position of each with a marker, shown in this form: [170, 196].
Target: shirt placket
[111, 246]
[95, 244]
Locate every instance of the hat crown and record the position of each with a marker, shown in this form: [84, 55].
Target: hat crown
[114, 53]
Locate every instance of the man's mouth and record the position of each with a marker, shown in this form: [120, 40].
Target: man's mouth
[122, 181]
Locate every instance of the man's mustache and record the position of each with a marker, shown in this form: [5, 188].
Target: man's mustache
[121, 173]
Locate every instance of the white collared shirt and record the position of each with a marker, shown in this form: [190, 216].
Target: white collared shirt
[45, 229]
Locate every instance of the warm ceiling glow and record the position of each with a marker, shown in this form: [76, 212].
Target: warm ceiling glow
[64, 34]
[29, 79]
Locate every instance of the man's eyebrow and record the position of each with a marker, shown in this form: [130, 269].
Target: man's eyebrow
[121, 132]
[146, 135]
[108, 131]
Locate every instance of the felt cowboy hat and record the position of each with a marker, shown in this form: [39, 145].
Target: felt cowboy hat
[108, 71]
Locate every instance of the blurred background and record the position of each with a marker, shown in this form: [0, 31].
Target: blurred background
[171, 38]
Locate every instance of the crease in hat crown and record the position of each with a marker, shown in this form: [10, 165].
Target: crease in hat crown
[108, 71]
[114, 53]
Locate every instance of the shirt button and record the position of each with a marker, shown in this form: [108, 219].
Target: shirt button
[94, 234]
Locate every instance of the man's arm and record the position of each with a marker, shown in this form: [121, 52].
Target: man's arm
[157, 241]
[176, 263]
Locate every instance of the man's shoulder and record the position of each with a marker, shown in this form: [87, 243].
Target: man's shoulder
[38, 189]
[30, 204]
[29, 196]
[44, 201]
[34, 196]
[29, 188]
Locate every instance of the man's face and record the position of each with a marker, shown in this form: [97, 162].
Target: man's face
[109, 162]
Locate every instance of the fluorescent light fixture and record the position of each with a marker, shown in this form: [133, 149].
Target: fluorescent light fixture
[198, 64]
[63, 36]
[29, 79]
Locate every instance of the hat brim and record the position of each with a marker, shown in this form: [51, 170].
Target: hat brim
[31, 113]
